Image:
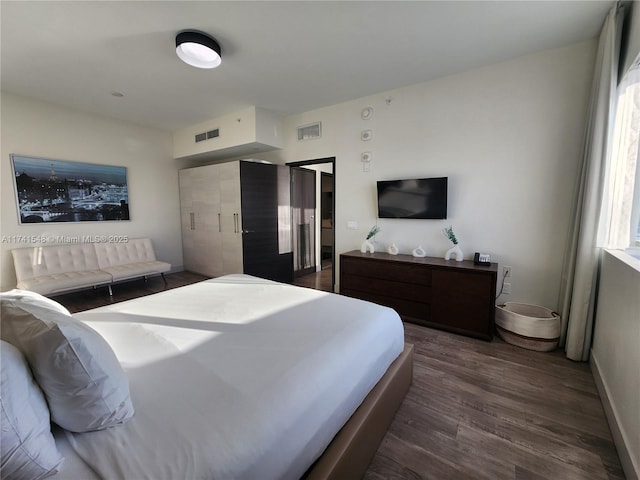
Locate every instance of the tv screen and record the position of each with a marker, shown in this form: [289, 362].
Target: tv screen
[414, 198]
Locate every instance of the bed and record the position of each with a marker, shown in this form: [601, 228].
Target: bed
[242, 378]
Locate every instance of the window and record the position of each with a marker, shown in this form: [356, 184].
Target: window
[620, 218]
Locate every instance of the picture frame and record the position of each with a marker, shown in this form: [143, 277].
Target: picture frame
[49, 190]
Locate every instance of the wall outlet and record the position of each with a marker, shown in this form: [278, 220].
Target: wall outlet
[352, 225]
[506, 271]
[506, 288]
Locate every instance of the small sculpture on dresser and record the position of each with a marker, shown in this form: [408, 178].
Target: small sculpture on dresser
[419, 252]
[367, 246]
[454, 251]
[392, 249]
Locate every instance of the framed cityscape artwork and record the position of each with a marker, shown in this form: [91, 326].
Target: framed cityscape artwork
[62, 191]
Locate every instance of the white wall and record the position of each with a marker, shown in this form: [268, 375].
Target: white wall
[508, 136]
[615, 356]
[39, 129]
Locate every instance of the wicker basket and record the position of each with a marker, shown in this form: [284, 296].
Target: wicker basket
[528, 326]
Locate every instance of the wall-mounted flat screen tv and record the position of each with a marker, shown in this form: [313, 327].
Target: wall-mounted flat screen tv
[413, 198]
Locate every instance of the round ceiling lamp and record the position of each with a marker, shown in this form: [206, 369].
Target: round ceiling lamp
[198, 49]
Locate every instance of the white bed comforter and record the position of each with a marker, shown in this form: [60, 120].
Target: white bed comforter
[234, 378]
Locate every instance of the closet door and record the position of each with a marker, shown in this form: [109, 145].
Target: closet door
[199, 207]
[230, 217]
[208, 239]
[266, 238]
[189, 257]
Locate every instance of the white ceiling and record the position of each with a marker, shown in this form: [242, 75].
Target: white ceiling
[288, 57]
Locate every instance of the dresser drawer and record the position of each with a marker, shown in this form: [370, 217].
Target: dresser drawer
[392, 271]
[384, 287]
[409, 310]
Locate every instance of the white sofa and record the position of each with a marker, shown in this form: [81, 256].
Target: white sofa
[55, 269]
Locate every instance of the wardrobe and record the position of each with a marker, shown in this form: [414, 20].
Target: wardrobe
[236, 218]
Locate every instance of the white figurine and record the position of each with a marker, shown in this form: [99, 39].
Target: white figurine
[367, 246]
[392, 249]
[455, 251]
[419, 252]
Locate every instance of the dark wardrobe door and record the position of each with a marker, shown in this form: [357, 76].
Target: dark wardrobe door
[266, 221]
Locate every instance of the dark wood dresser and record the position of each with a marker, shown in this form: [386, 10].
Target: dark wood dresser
[445, 294]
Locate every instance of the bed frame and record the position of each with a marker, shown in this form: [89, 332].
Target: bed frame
[352, 449]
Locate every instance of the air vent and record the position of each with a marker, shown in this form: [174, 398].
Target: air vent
[308, 132]
[201, 137]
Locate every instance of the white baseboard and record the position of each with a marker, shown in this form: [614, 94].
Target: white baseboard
[629, 465]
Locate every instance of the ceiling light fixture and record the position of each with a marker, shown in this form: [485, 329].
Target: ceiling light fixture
[198, 49]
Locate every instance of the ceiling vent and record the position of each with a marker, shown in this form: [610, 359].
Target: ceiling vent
[201, 137]
[308, 132]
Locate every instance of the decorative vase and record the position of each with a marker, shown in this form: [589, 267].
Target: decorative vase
[367, 246]
[419, 252]
[392, 249]
[455, 252]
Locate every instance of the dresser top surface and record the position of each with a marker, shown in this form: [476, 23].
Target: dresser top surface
[431, 261]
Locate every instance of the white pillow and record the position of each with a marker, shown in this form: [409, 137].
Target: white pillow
[33, 298]
[27, 445]
[83, 382]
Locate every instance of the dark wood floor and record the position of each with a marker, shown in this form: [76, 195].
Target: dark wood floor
[489, 410]
[322, 280]
[476, 409]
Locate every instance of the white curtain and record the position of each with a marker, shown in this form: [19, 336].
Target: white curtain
[579, 272]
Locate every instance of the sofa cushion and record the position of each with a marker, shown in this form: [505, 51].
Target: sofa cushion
[60, 282]
[139, 269]
[131, 259]
[135, 250]
[33, 262]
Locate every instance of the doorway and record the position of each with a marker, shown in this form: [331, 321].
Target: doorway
[326, 219]
[303, 220]
[319, 274]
